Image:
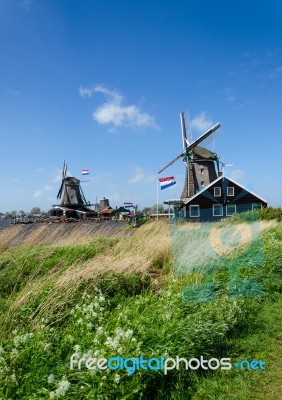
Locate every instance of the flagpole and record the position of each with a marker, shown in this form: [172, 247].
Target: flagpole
[157, 197]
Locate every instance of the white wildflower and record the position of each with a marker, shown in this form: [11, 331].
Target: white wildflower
[128, 333]
[90, 325]
[117, 378]
[63, 387]
[51, 378]
[77, 348]
[14, 352]
[100, 330]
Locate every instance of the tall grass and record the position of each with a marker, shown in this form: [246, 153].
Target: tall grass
[121, 296]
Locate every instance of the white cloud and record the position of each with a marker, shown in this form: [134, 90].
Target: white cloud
[25, 4]
[138, 176]
[141, 175]
[115, 112]
[238, 175]
[12, 92]
[201, 123]
[116, 196]
[86, 92]
[38, 193]
[276, 73]
[58, 176]
[99, 177]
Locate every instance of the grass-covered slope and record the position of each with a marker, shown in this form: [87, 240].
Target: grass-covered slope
[120, 295]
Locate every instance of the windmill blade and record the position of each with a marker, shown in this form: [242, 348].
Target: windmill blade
[65, 171]
[59, 195]
[185, 129]
[205, 138]
[172, 162]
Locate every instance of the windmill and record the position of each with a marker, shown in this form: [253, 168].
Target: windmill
[70, 191]
[200, 162]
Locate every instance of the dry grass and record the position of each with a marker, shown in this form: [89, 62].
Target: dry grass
[56, 234]
[145, 250]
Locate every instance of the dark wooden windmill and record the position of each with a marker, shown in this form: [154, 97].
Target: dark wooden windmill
[73, 203]
[70, 191]
[202, 165]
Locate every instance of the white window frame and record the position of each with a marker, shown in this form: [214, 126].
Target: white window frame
[194, 216]
[213, 208]
[227, 209]
[217, 195]
[256, 208]
[230, 187]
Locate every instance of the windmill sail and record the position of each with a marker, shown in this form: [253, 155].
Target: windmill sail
[200, 162]
[193, 145]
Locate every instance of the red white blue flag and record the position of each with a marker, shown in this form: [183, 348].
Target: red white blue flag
[85, 172]
[167, 182]
[128, 204]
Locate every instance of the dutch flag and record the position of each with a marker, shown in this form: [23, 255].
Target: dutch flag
[85, 172]
[128, 204]
[167, 182]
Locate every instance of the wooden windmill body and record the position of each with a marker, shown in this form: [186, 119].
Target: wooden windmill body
[70, 192]
[202, 165]
[73, 203]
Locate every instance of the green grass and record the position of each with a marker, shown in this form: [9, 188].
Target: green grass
[130, 315]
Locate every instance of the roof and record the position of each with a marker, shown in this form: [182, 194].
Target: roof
[107, 210]
[63, 208]
[174, 201]
[68, 209]
[217, 180]
[203, 152]
[121, 210]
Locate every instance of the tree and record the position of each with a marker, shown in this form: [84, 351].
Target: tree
[35, 210]
[146, 210]
[153, 209]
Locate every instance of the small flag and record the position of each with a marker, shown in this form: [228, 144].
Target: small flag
[127, 204]
[167, 182]
[85, 172]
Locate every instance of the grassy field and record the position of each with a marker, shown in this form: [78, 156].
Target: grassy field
[120, 294]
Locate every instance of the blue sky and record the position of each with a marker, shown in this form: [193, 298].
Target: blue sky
[101, 85]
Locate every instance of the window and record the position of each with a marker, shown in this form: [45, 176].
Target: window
[217, 210]
[202, 183]
[194, 211]
[217, 191]
[256, 206]
[231, 209]
[202, 171]
[230, 191]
